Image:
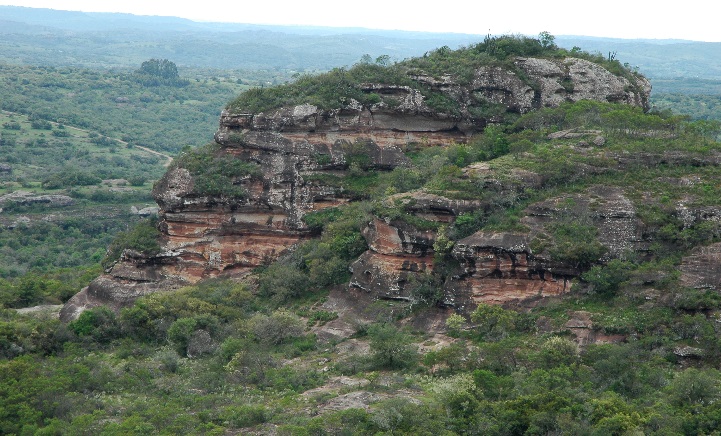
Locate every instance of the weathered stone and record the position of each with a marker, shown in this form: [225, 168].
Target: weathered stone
[398, 238]
[499, 268]
[389, 276]
[604, 207]
[148, 211]
[581, 325]
[304, 152]
[687, 351]
[701, 269]
[432, 207]
[30, 198]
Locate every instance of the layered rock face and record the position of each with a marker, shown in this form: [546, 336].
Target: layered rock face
[305, 155]
[400, 256]
[501, 267]
[493, 267]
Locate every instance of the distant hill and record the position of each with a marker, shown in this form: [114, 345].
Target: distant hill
[113, 40]
[110, 40]
[670, 58]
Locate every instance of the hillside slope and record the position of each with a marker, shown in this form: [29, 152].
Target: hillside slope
[324, 141]
[406, 255]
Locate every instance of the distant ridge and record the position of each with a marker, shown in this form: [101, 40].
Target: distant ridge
[105, 40]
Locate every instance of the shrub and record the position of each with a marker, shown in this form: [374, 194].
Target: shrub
[493, 322]
[390, 347]
[606, 279]
[455, 323]
[216, 173]
[180, 332]
[99, 323]
[558, 351]
[283, 281]
[69, 177]
[41, 124]
[277, 328]
[245, 415]
[575, 244]
[144, 238]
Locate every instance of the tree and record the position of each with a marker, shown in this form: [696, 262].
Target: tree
[99, 323]
[277, 328]
[493, 322]
[162, 68]
[383, 60]
[391, 347]
[180, 332]
[547, 40]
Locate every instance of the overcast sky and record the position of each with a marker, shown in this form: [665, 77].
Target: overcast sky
[690, 19]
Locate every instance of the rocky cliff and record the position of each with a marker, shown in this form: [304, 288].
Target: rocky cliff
[306, 157]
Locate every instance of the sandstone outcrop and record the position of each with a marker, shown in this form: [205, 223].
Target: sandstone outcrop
[27, 198]
[306, 158]
[557, 81]
[581, 326]
[493, 267]
[700, 268]
[499, 268]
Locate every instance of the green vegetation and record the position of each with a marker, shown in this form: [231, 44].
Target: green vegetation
[143, 238]
[137, 107]
[333, 89]
[317, 265]
[215, 173]
[327, 91]
[156, 72]
[237, 356]
[103, 178]
[226, 356]
[75, 158]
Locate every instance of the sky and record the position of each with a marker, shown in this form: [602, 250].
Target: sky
[631, 19]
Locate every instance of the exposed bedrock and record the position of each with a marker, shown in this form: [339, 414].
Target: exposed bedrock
[304, 155]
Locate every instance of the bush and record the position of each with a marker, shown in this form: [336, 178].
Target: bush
[144, 238]
[277, 328]
[41, 124]
[283, 281]
[246, 415]
[390, 347]
[558, 351]
[99, 323]
[216, 173]
[606, 279]
[575, 244]
[493, 322]
[69, 177]
[180, 332]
